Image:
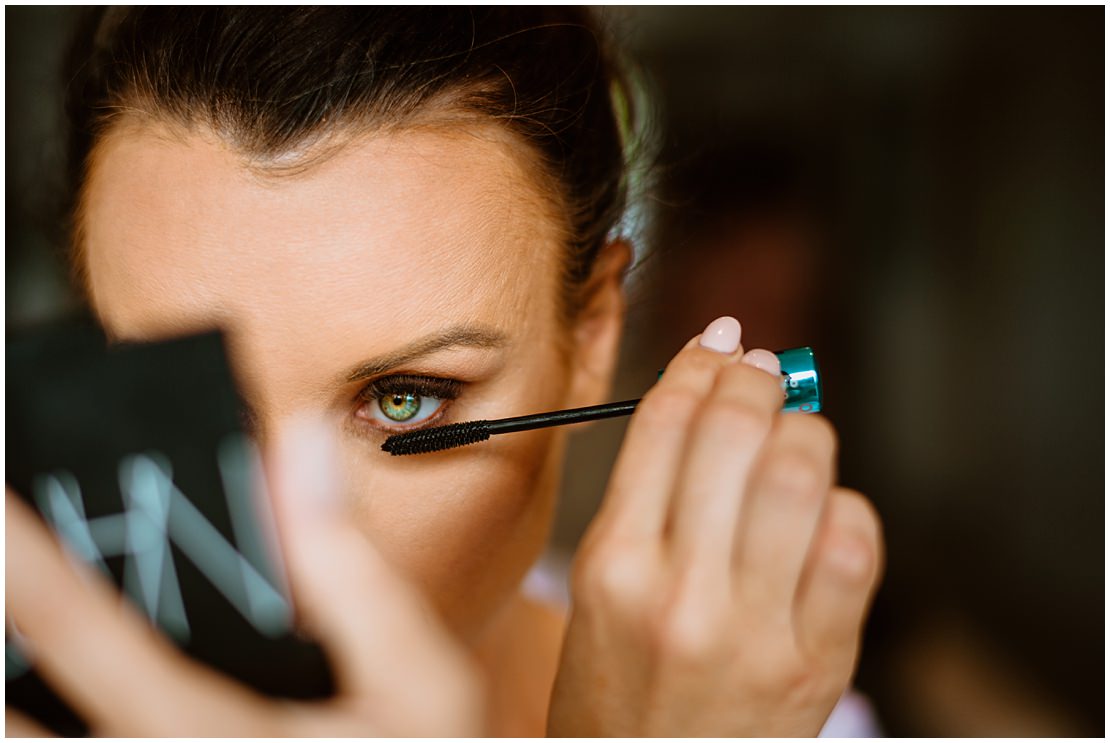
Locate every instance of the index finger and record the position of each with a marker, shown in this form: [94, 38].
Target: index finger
[381, 634]
[647, 467]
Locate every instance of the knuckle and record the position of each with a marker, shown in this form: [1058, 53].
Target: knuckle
[688, 634]
[795, 475]
[609, 576]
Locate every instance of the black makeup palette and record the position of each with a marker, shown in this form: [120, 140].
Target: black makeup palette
[135, 456]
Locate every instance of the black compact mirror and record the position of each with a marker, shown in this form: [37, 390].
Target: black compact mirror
[134, 454]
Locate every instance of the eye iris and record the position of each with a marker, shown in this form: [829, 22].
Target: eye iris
[400, 407]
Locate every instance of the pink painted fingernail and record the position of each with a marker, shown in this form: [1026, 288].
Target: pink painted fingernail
[765, 360]
[722, 335]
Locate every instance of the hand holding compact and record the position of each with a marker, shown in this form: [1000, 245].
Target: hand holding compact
[398, 671]
[722, 588]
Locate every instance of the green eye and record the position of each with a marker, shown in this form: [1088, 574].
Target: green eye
[400, 408]
[403, 401]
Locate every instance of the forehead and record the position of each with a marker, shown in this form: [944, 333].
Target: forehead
[418, 227]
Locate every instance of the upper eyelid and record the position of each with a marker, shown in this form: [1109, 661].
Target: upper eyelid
[422, 384]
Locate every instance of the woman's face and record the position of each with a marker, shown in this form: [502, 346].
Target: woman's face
[425, 253]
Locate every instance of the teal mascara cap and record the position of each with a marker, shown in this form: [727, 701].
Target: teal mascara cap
[801, 383]
[800, 379]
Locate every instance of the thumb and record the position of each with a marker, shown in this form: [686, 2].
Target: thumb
[383, 637]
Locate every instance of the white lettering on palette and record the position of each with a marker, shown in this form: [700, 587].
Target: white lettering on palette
[156, 514]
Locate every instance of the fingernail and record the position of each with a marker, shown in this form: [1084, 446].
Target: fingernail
[765, 360]
[723, 335]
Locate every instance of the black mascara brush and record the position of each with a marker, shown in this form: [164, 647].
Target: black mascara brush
[801, 385]
[471, 432]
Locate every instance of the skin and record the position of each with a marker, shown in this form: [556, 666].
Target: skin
[180, 234]
[313, 274]
[392, 238]
[722, 588]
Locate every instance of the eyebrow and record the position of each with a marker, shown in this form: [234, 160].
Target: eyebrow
[471, 336]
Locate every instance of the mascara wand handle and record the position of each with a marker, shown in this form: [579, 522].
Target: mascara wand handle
[561, 417]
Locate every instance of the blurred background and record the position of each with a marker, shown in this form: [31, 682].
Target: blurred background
[916, 193]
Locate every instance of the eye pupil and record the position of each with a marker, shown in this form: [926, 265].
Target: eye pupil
[400, 407]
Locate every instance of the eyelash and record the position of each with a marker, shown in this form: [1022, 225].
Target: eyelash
[444, 389]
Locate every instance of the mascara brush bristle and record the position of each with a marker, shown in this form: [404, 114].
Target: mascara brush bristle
[437, 439]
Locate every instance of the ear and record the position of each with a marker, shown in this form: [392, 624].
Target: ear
[598, 327]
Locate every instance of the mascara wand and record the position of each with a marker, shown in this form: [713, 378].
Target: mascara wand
[801, 392]
[438, 438]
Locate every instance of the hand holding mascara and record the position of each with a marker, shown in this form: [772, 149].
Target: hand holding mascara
[801, 392]
[723, 563]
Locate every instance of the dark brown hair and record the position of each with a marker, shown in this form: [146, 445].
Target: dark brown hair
[272, 80]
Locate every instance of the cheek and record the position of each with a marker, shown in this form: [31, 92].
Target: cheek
[466, 524]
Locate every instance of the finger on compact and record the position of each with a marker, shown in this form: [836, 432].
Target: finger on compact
[383, 638]
[399, 672]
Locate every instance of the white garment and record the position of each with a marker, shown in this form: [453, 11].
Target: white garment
[853, 716]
